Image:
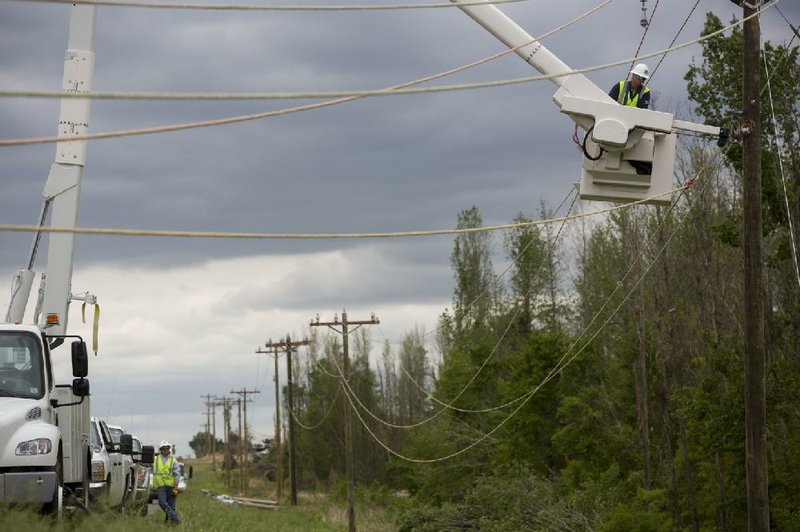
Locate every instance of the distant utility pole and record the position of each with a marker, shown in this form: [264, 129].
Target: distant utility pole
[348, 420]
[239, 450]
[272, 349]
[207, 397]
[244, 443]
[754, 351]
[214, 406]
[288, 346]
[227, 459]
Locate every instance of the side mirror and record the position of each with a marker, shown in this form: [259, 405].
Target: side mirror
[126, 444]
[80, 359]
[148, 454]
[80, 387]
[191, 471]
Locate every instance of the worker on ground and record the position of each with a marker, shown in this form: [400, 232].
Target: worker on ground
[165, 479]
[633, 92]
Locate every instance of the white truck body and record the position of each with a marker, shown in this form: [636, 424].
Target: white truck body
[44, 437]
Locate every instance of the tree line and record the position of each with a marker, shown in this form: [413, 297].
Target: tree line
[615, 348]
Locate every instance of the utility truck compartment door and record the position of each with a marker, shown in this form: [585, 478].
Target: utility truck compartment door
[74, 422]
[37, 486]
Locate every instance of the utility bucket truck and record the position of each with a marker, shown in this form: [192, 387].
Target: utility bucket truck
[628, 153]
[44, 426]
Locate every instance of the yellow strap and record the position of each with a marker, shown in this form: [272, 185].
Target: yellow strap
[95, 328]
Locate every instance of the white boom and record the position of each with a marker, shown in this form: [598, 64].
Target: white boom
[62, 189]
[616, 134]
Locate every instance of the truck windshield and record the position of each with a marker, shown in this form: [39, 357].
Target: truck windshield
[116, 434]
[20, 365]
[96, 441]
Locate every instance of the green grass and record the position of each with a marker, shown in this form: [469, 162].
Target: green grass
[314, 513]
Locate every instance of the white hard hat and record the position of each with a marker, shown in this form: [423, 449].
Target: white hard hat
[641, 70]
[164, 443]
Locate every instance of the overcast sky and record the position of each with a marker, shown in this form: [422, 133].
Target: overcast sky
[182, 318]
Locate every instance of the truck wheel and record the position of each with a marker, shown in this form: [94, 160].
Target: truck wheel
[54, 507]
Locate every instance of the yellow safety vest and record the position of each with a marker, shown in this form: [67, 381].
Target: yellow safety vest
[622, 99]
[162, 473]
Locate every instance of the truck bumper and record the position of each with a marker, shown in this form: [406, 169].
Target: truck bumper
[37, 486]
[97, 489]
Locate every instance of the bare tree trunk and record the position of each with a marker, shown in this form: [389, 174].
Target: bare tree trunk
[677, 522]
[640, 367]
[723, 516]
[642, 409]
[687, 465]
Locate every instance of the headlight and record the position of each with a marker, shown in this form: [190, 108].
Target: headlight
[34, 447]
[98, 471]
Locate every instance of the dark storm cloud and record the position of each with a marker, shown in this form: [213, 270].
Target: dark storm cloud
[410, 162]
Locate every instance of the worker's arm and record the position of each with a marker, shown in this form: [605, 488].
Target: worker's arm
[644, 101]
[614, 92]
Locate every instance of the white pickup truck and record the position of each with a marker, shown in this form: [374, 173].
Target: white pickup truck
[113, 469]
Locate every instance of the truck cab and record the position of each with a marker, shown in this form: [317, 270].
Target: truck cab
[43, 436]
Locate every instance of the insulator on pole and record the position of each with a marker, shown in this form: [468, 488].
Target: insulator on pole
[644, 22]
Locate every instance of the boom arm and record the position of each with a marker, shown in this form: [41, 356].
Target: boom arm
[62, 189]
[534, 53]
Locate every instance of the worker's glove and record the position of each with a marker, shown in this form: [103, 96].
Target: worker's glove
[175, 491]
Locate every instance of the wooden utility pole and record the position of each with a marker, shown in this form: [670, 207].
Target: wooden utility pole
[273, 350]
[288, 346]
[214, 406]
[244, 443]
[754, 351]
[227, 459]
[239, 450]
[344, 331]
[207, 397]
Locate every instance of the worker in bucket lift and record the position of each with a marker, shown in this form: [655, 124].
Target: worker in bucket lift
[166, 472]
[633, 92]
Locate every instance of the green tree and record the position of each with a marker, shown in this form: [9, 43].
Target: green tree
[476, 288]
[201, 444]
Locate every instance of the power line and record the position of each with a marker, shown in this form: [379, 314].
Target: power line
[793, 28]
[398, 89]
[502, 274]
[236, 96]
[324, 416]
[318, 236]
[449, 405]
[644, 33]
[675, 38]
[564, 356]
[557, 370]
[261, 7]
